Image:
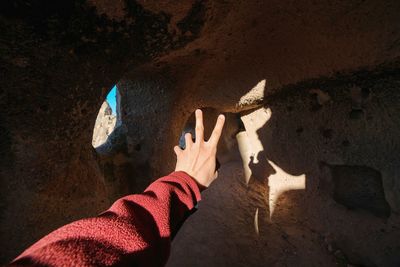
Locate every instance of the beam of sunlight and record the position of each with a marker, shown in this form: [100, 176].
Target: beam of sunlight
[256, 222]
[250, 148]
[254, 95]
[249, 143]
[281, 182]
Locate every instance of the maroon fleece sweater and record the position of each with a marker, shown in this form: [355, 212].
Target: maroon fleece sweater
[135, 231]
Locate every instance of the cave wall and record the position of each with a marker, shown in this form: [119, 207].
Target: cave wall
[59, 59]
[346, 213]
[248, 51]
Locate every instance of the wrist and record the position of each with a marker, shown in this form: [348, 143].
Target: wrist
[199, 185]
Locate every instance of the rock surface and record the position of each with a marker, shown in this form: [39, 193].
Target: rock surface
[360, 187]
[328, 71]
[104, 126]
[272, 219]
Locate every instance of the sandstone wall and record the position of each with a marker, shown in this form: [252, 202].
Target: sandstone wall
[328, 71]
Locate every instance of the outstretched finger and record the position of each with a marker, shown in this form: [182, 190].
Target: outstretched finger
[216, 134]
[188, 140]
[199, 126]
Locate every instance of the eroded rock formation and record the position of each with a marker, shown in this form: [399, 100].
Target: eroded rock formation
[104, 126]
[324, 74]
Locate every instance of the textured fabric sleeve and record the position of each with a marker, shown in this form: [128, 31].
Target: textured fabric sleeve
[135, 231]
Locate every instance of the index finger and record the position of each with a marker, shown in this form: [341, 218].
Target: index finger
[199, 126]
[216, 134]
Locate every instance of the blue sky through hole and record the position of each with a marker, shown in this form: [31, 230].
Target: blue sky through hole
[112, 99]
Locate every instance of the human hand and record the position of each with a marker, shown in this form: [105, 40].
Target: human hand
[198, 159]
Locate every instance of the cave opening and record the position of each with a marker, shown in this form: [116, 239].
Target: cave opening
[108, 118]
[311, 178]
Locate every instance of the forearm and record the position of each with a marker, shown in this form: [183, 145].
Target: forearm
[135, 230]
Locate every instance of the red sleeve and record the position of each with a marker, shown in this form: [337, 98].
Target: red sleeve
[135, 231]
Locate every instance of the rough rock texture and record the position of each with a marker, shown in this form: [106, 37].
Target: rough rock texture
[104, 126]
[269, 220]
[326, 71]
[58, 60]
[360, 187]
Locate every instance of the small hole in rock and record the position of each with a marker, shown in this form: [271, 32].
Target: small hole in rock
[365, 92]
[327, 133]
[44, 108]
[346, 143]
[356, 114]
[299, 130]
